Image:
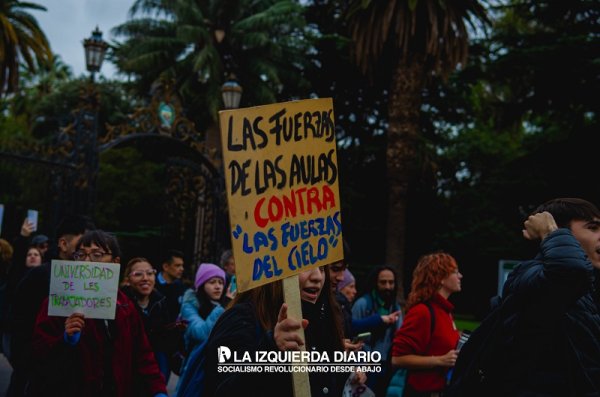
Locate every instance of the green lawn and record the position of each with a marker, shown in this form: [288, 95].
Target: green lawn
[465, 323]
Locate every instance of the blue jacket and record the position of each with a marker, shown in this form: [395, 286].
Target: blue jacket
[557, 324]
[362, 319]
[198, 328]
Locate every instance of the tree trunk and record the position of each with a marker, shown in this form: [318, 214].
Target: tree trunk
[402, 139]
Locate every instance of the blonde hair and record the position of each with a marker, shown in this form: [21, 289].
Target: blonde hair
[128, 267]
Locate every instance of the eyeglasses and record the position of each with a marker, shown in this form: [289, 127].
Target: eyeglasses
[140, 273]
[93, 255]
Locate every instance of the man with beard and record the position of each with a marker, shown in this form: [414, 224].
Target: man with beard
[380, 299]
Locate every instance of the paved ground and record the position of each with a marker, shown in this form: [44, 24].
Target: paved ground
[6, 371]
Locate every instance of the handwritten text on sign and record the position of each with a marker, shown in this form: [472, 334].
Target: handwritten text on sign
[83, 287]
[282, 185]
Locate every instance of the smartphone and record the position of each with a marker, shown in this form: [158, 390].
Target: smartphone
[233, 284]
[32, 216]
[361, 337]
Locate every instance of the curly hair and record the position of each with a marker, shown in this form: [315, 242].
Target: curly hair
[428, 275]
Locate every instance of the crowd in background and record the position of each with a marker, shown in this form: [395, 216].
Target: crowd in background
[165, 324]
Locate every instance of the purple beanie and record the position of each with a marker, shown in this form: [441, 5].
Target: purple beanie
[206, 271]
[347, 280]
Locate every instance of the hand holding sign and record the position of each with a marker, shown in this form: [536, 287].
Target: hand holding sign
[285, 334]
[83, 287]
[281, 175]
[74, 323]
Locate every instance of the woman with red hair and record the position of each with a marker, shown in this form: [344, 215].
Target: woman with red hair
[426, 342]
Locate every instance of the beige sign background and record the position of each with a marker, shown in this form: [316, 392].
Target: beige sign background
[282, 186]
[83, 287]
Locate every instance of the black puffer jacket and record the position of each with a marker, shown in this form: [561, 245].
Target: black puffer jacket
[156, 320]
[557, 325]
[238, 329]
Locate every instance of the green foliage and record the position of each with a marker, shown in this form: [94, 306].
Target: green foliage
[514, 128]
[54, 110]
[129, 187]
[22, 42]
[201, 43]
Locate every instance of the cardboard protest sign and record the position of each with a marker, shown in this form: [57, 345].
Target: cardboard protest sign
[83, 287]
[282, 186]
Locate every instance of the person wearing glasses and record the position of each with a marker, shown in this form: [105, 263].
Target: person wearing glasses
[138, 284]
[101, 357]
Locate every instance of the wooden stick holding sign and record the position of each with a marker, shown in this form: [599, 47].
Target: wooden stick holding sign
[291, 293]
[281, 176]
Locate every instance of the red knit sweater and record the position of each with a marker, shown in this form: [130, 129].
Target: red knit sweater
[133, 361]
[415, 337]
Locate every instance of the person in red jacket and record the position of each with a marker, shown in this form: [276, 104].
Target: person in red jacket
[93, 357]
[426, 344]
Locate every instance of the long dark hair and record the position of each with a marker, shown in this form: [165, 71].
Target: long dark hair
[267, 299]
[206, 306]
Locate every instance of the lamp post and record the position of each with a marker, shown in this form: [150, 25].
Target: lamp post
[231, 91]
[85, 145]
[95, 49]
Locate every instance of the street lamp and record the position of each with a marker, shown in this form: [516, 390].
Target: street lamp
[95, 48]
[232, 93]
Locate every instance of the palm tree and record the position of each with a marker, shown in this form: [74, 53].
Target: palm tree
[21, 41]
[200, 43]
[417, 39]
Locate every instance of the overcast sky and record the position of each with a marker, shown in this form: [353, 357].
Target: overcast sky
[67, 22]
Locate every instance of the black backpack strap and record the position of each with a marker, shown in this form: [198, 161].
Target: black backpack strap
[432, 315]
[432, 328]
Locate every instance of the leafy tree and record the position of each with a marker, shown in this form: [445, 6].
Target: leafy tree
[199, 43]
[409, 41]
[360, 111]
[516, 127]
[21, 41]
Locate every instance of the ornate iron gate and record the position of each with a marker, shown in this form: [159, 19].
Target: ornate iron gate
[196, 205]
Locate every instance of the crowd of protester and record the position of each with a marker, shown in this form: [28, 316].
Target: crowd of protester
[165, 325]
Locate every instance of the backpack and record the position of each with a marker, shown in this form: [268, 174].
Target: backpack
[191, 381]
[482, 366]
[398, 380]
